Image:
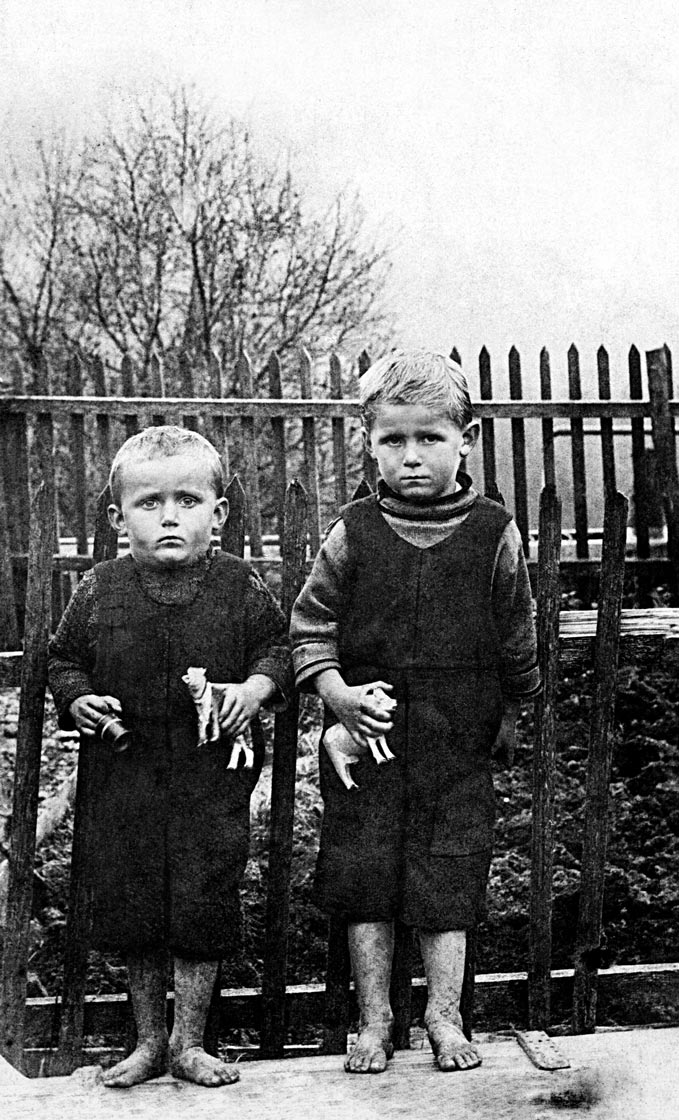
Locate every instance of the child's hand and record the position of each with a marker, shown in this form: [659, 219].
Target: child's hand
[239, 703]
[362, 712]
[87, 711]
[505, 744]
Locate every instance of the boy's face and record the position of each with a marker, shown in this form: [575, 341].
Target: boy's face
[170, 510]
[419, 449]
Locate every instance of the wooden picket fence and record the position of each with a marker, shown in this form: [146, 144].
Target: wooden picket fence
[603, 637]
[268, 439]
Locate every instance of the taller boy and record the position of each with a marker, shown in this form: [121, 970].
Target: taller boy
[423, 588]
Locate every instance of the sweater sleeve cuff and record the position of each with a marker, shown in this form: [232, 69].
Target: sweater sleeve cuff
[311, 660]
[524, 686]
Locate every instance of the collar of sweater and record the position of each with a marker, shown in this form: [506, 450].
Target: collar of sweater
[174, 586]
[445, 509]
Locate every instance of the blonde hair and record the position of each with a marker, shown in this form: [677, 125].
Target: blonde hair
[416, 377]
[163, 442]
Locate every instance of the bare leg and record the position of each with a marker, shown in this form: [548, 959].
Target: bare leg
[371, 948]
[443, 957]
[147, 975]
[193, 984]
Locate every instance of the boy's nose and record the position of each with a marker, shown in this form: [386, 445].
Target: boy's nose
[170, 513]
[411, 454]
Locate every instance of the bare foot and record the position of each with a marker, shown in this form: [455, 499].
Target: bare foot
[194, 1064]
[372, 1050]
[451, 1049]
[147, 1061]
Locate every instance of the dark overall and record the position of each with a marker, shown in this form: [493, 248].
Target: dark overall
[415, 840]
[169, 824]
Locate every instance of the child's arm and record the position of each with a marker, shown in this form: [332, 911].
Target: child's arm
[240, 703]
[513, 613]
[505, 744]
[316, 613]
[70, 661]
[313, 631]
[268, 663]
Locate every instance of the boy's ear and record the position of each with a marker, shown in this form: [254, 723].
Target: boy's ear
[470, 434]
[116, 519]
[220, 514]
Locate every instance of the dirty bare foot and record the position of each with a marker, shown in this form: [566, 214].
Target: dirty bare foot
[147, 1061]
[194, 1064]
[451, 1049]
[372, 1051]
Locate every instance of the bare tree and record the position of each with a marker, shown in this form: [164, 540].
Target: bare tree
[186, 241]
[168, 233]
[35, 219]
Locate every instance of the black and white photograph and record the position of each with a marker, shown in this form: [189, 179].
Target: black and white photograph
[339, 559]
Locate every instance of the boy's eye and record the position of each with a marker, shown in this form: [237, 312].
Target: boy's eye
[392, 441]
[149, 503]
[188, 501]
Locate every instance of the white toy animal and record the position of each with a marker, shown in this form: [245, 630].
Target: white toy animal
[344, 751]
[206, 698]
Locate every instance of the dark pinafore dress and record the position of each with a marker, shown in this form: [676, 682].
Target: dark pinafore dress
[415, 840]
[168, 829]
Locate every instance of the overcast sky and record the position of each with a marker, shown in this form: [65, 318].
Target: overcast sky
[522, 156]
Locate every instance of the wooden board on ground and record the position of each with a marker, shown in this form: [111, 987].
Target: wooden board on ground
[614, 1075]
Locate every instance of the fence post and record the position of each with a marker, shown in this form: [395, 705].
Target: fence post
[578, 459]
[640, 480]
[400, 993]
[544, 762]
[606, 422]
[27, 767]
[233, 531]
[339, 447]
[14, 451]
[233, 541]
[127, 385]
[272, 1040]
[78, 922]
[244, 374]
[659, 367]
[549, 466]
[490, 486]
[369, 464]
[310, 458]
[156, 384]
[74, 385]
[579, 476]
[9, 626]
[519, 453]
[102, 425]
[277, 444]
[593, 866]
[220, 425]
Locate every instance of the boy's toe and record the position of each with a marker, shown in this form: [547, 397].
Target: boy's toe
[371, 1053]
[452, 1050]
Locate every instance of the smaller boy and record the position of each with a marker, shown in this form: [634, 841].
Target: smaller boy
[421, 590]
[167, 841]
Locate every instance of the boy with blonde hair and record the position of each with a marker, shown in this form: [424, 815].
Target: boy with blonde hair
[420, 590]
[168, 838]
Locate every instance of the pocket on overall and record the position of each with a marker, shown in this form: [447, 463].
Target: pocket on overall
[464, 817]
